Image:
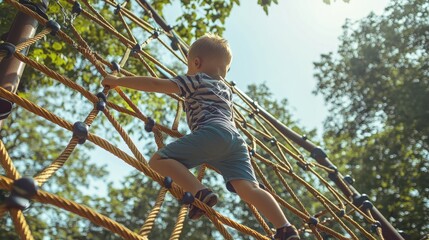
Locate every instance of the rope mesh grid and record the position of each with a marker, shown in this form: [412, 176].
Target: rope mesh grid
[274, 160]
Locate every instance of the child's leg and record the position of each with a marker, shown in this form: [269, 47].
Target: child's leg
[177, 171]
[262, 200]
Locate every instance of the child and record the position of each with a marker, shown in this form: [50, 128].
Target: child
[214, 139]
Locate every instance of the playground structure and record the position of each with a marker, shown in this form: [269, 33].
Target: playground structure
[258, 125]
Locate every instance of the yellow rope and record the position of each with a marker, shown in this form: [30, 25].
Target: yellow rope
[7, 163]
[139, 165]
[20, 224]
[148, 224]
[281, 165]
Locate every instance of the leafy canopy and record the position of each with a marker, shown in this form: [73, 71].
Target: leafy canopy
[377, 87]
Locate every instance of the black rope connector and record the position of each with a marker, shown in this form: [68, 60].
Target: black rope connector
[359, 199]
[102, 99]
[137, 48]
[155, 34]
[341, 213]
[101, 96]
[5, 108]
[233, 83]
[174, 44]
[168, 182]
[115, 66]
[244, 124]
[25, 187]
[313, 221]
[22, 190]
[375, 226]
[318, 153]
[54, 26]
[17, 202]
[188, 198]
[348, 179]
[304, 137]
[367, 205]
[80, 131]
[117, 9]
[303, 166]
[77, 8]
[7, 48]
[148, 127]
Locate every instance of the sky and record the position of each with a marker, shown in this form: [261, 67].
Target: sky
[278, 49]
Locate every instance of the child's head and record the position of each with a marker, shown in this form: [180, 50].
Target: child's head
[209, 54]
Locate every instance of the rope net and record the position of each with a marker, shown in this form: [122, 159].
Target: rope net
[276, 160]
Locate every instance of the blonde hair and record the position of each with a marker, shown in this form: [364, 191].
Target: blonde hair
[210, 45]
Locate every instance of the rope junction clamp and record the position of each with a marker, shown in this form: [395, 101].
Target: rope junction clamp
[148, 127]
[187, 198]
[80, 131]
[54, 26]
[7, 48]
[102, 99]
[23, 190]
[77, 8]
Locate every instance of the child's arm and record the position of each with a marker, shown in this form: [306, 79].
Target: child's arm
[142, 83]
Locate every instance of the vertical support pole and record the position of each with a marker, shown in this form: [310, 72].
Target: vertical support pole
[11, 69]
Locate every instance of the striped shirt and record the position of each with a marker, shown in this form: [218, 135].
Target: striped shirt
[207, 100]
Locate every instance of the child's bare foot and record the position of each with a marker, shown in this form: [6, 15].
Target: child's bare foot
[207, 197]
[287, 233]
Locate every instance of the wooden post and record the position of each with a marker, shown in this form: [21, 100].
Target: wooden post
[11, 69]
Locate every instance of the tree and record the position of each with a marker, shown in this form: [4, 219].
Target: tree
[198, 17]
[48, 140]
[377, 87]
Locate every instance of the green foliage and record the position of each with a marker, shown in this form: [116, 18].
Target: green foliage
[377, 86]
[33, 143]
[199, 17]
[280, 110]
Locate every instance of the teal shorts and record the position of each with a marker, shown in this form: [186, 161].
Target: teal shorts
[216, 145]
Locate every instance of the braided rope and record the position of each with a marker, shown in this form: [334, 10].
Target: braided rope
[281, 165]
[7, 163]
[21, 225]
[138, 164]
[148, 224]
[178, 226]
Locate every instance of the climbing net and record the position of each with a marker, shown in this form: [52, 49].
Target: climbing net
[273, 155]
